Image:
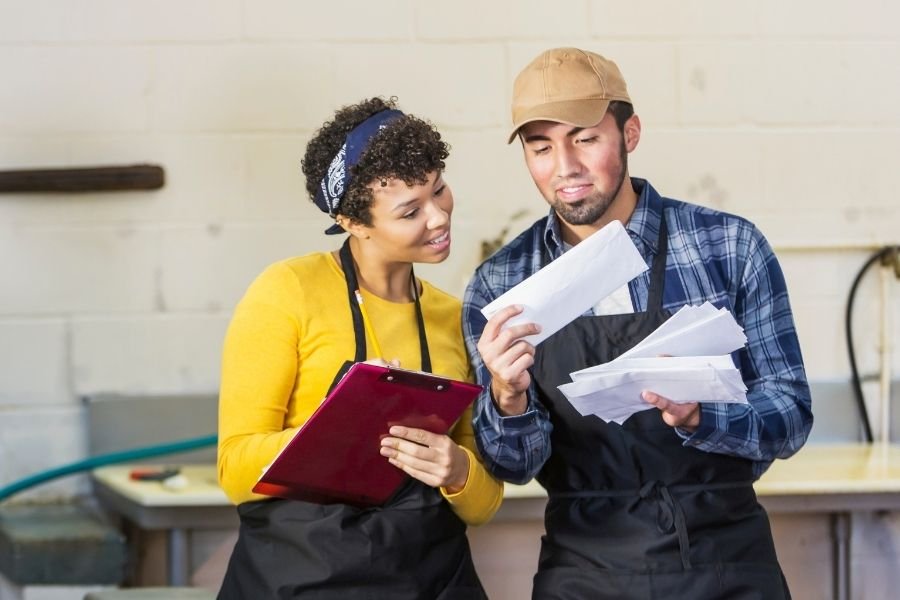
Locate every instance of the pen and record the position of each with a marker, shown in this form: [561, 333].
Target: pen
[153, 474]
[368, 325]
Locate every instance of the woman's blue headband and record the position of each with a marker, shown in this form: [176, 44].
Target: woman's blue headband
[337, 179]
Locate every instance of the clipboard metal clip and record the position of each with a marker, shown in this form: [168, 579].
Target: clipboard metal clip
[415, 379]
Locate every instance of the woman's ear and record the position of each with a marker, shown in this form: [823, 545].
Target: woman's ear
[357, 230]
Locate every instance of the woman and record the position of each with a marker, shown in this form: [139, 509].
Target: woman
[379, 174]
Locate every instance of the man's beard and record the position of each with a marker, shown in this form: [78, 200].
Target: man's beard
[589, 210]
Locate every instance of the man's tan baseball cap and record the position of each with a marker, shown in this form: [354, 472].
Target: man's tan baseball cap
[566, 85]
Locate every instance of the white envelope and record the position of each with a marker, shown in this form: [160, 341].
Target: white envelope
[661, 363]
[698, 332]
[616, 396]
[573, 283]
[685, 316]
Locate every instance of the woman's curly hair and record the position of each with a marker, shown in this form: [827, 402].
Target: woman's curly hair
[408, 149]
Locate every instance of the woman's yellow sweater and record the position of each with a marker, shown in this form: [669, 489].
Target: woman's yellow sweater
[290, 334]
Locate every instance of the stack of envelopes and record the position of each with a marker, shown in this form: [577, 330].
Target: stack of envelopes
[686, 359]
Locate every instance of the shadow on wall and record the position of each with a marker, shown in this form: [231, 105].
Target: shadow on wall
[837, 416]
[121, 422]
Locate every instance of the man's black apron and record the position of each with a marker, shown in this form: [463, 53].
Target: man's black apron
[632, 512]
[413, 547]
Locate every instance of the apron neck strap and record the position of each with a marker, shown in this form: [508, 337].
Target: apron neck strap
[658, 270]
[359, 329]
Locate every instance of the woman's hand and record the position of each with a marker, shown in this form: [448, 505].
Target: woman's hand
[380, 362]
[433, 459]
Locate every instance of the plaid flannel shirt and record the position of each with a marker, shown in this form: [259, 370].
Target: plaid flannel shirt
[712, 256]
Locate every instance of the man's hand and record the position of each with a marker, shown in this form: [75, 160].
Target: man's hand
[508, 359]
[686, 415]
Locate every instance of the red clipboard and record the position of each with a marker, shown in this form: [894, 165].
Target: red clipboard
[334, 456]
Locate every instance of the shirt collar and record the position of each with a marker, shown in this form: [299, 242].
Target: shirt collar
[643, 224]
[645, 220]
[552, 238]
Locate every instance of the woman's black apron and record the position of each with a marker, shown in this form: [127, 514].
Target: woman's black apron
[413, 547]
[631, 511]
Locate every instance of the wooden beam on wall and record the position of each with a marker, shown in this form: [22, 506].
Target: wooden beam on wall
[85, 179]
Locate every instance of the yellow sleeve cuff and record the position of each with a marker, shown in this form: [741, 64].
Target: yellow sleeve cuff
[480, 497]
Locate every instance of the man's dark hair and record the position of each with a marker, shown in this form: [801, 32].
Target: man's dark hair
[408, 149]
[621, 112]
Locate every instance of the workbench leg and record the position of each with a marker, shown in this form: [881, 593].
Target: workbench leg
[179, 557]
[840, 534]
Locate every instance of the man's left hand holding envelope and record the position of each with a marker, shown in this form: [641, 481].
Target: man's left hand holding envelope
[546, 302]
[684, 415]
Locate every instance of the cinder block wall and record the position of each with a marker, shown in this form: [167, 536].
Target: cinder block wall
[784, 112]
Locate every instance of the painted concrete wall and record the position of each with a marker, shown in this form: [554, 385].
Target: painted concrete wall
[782, 111]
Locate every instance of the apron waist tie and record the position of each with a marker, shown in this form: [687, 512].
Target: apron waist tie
[670, 515]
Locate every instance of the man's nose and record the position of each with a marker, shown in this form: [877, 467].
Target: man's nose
[567, 164]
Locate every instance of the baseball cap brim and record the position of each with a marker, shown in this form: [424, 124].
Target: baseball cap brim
[334, 230]
[585, 112]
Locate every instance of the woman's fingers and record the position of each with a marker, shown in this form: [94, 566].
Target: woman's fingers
[431, 458]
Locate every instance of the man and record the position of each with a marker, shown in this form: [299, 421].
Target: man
[663, 505]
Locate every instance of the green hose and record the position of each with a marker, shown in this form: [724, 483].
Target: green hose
[106, 459]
